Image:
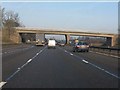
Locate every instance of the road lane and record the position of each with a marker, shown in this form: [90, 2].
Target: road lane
[55, 68]
[107, 62]
[11, 62]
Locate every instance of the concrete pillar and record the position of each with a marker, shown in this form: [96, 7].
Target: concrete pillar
[114, 41]
[67, 36]
[40, 37]
[108, 41]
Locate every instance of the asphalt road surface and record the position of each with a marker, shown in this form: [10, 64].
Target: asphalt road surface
[40, 67]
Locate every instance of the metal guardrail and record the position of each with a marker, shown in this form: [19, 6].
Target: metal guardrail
[110, 49]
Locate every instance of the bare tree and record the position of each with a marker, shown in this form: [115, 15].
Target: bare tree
[9, 19]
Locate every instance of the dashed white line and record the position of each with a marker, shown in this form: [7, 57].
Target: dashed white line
[2, 83]
[85, 61]
[23, 66]
[19, 68]
[71, 54]
[37, 54]
[95, 66]
[65, 51]
[29, 60]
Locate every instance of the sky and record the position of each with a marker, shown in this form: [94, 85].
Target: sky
[76, 16]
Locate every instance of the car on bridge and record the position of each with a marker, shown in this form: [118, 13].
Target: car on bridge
[81, 46]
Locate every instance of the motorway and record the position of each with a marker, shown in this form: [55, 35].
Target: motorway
[30, 66]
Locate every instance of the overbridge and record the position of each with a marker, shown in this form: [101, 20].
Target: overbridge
[110, 38]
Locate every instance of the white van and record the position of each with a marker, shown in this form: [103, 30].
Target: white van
[51, 43]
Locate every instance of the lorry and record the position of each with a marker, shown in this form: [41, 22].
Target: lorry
[40, 41]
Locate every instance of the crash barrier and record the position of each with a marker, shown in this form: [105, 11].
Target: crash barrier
[107, 49]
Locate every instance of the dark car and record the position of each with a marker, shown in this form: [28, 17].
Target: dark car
[81, 46]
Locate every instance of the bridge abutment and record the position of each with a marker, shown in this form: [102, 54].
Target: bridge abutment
[16, 38]
[111, 41]
[114, 41]
[67, 36]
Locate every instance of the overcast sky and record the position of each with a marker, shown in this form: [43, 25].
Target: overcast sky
[80, 16]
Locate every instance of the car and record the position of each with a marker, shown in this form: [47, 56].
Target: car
[81, 46]
[51, 44]
[62, 44]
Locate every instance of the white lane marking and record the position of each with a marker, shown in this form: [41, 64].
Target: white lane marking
[40, 51]
[105, 54]
[96, 66]
[2, 83]
[112, 74]
[29, 60]
[37, 54]
[65, 51]
[85, 61]
[23, 66]
[19, 68]
[105, 70]
[12, 75]
[71, 54]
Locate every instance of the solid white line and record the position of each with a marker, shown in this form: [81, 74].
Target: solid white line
[24, 65]
[2, 83]
[12, 75]
[105, 54]
[105, 70]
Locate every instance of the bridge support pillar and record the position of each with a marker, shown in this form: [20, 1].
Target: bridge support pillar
[108, 41]
[67, 36]
[15, 38]
[114, 41]
[111, 41]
